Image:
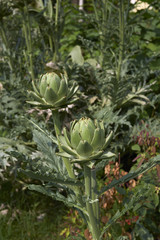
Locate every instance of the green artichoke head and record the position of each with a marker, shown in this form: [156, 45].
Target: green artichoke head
[86, 141]
[53, 92]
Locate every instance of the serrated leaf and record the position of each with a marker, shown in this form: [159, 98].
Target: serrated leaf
[52, 138]
[52, 178]
[45, 145]
[56, 195]
[126, 208]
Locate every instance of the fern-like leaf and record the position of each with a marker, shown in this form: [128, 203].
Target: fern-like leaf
[55, 178]
[69, 200]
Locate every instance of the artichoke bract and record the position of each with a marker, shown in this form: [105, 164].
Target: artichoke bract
[86, 141]
[53, 92]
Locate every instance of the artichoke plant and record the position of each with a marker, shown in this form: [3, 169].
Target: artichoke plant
[86, 141]
[53, 92]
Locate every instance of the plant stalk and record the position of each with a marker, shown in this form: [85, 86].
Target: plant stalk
[102, 26]
[6, 46]
[27, 35]
[57, 126]
[121, 36]
[56, 40]
[89, 203]
[94, 196]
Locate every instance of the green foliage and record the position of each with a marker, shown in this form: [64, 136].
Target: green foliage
[146, 141]
[112, 52]
[50, 169]
[30, 216]
[51, 179]
[147, 207]
[142, 232]
[14, 130]
[153, 162]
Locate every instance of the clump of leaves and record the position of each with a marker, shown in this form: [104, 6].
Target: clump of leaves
[114, 198]
[147, 208]
[72, 225]
[147, 143]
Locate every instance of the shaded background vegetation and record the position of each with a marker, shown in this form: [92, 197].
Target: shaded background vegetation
[111, 49]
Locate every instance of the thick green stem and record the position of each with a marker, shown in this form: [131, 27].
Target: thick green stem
[56, 40]
[6, 46]
[121, 48]
[57, 126]
[103, 29]
[102, 26]
[57, 123]
[95, 10]
[94, 195]
[50, 42]
[27, 34]
[57, 13]
[89, 203]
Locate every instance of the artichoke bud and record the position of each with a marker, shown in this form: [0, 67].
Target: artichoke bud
[50, 96]
[53, 91]
[85, 142]
[43, 86]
